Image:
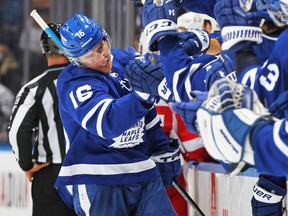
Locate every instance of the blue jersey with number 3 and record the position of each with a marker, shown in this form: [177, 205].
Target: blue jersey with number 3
[269, 81]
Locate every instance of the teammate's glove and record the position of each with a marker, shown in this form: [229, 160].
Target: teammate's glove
[239, 29]
[168, 164]
[226, 123]
[267, 199]
[159, 19]
[278, 107]
[179, 3]
[145, 75]
[194, 41]
[223, 67]
[187, 110]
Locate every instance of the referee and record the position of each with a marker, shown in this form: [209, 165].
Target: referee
[36, 133]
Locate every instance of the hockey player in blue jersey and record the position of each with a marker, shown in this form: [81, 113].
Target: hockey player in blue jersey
[183, 73]
[117, 152]
[269, 81]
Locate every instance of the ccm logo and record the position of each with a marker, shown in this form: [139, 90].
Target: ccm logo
[261, 193]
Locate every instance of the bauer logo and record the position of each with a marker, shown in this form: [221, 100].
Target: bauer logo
[261, 195]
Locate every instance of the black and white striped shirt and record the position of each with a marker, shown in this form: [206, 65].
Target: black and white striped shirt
[35, 130]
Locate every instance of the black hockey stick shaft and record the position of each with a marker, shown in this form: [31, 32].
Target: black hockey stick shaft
[187, 197]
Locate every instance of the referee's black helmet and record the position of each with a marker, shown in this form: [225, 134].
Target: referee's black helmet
[47, 44]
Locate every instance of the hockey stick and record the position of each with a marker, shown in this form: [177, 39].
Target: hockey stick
[48, 31]
[187, 197]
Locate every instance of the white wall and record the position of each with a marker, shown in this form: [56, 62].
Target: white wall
[214, 192]
[15, 194]
[218, 194]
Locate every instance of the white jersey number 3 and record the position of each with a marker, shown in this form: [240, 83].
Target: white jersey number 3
[82, 93]
[270, 80]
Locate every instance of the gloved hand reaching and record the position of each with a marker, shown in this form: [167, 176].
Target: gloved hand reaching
[239, 28]
[194, 41]
[159, 18]
[187, 110]
[168, 163]
[223, 67]
[145, 75]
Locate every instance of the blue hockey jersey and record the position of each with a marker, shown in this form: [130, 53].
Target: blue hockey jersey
[184, 73]
[110, 133]
[270, 145]
[269, 81]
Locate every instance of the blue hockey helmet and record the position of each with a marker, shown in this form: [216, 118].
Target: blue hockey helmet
[274, 10]
[80, 34]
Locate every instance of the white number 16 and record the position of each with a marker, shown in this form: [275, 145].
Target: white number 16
[82, 93]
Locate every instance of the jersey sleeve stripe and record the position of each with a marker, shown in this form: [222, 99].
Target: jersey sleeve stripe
[90, 113]
[153, 122]
[100, 117]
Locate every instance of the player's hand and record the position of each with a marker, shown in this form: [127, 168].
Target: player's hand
[145, 75]
[159, 18]
[194, 41]
[187, 110]
[226, 122]
[223, 67]
[29, 173]
[139, 3]
[239, 28]
[168, 163]
[267, 198]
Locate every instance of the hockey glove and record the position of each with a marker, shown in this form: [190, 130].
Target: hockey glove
[159, 19]
[145, 75]
[267, 199]
[278, 107]
[194, 41]
[168, 164]
[139, 3]
[239, 28]
[226, 123]
[223, 67]
[187, 110]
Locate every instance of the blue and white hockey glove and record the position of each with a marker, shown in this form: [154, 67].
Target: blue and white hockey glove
[226, 122]
[139, 3]
[168, 163]
[267, 199]
[239, 28]
[145, 75]
[194, 41]
[187, 110]
[159, 18]
[278, 107]
[223, 67]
